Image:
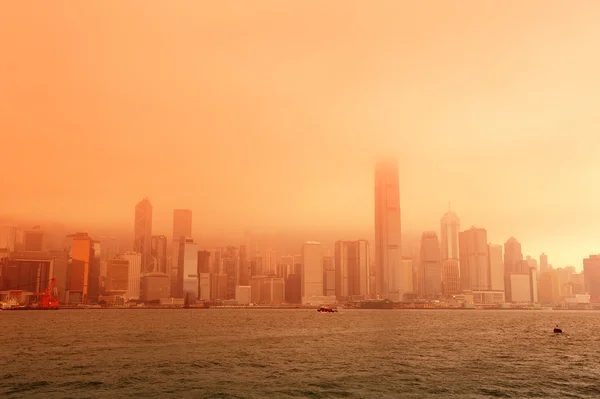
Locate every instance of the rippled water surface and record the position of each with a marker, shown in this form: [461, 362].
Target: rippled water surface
[299, 353]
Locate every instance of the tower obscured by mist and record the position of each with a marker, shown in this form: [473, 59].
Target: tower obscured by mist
[388, 249]
[142, 241]
[182, 223]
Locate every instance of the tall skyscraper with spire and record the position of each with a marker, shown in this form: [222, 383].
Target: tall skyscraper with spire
[142, 234]
[388, 248]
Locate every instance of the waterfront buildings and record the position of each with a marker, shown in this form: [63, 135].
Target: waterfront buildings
[33, 239]
[513, 263]
[243, 294]
[84, 271]
[450, 277]
[474, 263]
[496, 266]
[155, 287]
[159, 254]
[312, 272]
[388, 246]
[430, 265]
[351, 271]
[117, 277]
[190, 268]
[591, 275]
[142, 231]
[135, 274]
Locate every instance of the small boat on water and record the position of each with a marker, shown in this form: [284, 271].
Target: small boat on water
[326, 309]
[557, 330]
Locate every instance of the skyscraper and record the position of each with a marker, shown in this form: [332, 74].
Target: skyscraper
[8, 238]
[231, 268]
[591, 276]
[190, 269]
[351, 261]
[312, 271]
[513, 263]
[544, 267]
[431, 265]
[449, 228]
[474, 264]
[450, 277]
[159, 254]
[496, 267]
[33, 240]
[388, 249]
[84, 270]
[142, 234]
[109, 248]
[134, 274]
[513, 255]
[182, 223]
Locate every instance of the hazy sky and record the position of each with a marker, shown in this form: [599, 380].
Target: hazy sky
[271, 113]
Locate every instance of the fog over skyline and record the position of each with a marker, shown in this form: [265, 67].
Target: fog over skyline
[270, 115]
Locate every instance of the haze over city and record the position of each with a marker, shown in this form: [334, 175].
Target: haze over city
[271, 115]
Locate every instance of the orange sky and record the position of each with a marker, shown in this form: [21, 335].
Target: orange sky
[271, 113]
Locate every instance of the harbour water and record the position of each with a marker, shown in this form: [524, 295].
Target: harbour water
[219, 353]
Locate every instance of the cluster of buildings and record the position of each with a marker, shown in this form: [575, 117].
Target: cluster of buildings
[453, 265]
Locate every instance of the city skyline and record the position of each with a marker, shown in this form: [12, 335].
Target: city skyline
[503, 129]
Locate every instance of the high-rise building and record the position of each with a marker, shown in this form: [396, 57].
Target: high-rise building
[190, 268]
[243, 294]
[155, 286]
[203, 262]
[549, 290]
[33, 240]
[273, 291]
[182, 224]
[388, 244]
[204, 286]
[513, 263]
[135, 274]
[293, 290]
[591, 276]
[26, 271]
[117, 280]
[450, 277]
[544, 267]
[449, 227]
[431, 265]
[159, 254]
[231, 266]
[312, 271]
[474, 264]
[244, 269]
[84, 271]
[496, 267]
[256, 287]
[352, 260]
[407, 279]
[8, 238]
[142, 234]
[109, 248]
[176, 273]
